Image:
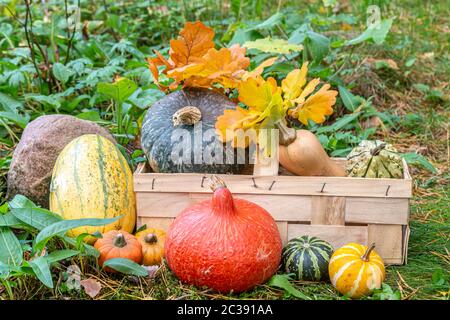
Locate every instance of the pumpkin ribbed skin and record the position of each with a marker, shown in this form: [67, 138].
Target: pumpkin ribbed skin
[158, 127]
[374, 159]
[307, 257]
[91, 179]
[227, 244]
[353, 276]
[152, 241]
[109, 247]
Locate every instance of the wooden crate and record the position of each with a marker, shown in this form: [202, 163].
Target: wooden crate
[336, 209]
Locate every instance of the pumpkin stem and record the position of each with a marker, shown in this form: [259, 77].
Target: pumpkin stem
[120, 241]
[375, 151]
[286, 135]
[215, 183]
[222, 199]
[150, 238]
[366, 255]
[188, 115]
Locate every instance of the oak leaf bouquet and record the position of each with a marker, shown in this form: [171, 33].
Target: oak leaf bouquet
[262, 103]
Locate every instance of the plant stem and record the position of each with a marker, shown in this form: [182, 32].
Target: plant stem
[119, 117]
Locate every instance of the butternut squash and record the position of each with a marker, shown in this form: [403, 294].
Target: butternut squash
[302, 154]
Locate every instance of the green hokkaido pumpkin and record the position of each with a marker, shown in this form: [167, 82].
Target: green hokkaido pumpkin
[307, 258]
[178, 134]
[91, 179]
[374, 159]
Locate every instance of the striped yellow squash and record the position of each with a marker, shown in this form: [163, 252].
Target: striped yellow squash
[91, 179]
[355, 270]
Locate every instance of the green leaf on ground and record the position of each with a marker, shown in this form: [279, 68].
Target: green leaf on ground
[416, 159]
[59, 228]
[41, 269]
[375, 32]
[126, 266]
[10, 249]
[282, 282]
[119, 90]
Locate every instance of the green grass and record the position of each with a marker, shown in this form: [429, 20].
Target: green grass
[416, 95]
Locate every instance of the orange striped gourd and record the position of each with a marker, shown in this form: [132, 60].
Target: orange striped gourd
[91, 179]
[356, 270]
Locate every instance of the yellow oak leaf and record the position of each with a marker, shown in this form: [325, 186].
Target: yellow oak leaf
[265, 108]
[301, 102]
[257, 93]
[259, 69]
[293, 83]
[316, 106]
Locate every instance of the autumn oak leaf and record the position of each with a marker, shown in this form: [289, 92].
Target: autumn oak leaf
[194, 41]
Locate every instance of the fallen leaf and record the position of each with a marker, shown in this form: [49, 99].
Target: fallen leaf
[152, 270]
[91, 286]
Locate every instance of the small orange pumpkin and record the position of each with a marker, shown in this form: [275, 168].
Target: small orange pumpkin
[118, 244]
[356, 270]
[152, 242]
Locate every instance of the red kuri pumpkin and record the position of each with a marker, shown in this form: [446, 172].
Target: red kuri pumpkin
[227, 244]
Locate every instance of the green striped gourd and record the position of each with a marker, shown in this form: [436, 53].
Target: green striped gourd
[307, 257]
[374, 159]
[91, 179]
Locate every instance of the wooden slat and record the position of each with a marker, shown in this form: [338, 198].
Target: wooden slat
[286, 185]
[388, 240]
[328, 210]
[158, 223]
[377, 210]
[391, 261]
[406, 233]
[336, 235]
[282, 208]
[283, 229]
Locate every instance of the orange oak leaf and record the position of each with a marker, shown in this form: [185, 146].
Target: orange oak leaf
[230, 126]
[224, 66]
[194, 40]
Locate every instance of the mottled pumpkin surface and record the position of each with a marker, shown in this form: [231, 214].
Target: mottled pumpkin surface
[158, 129]
[91, 179]
[374, 159]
